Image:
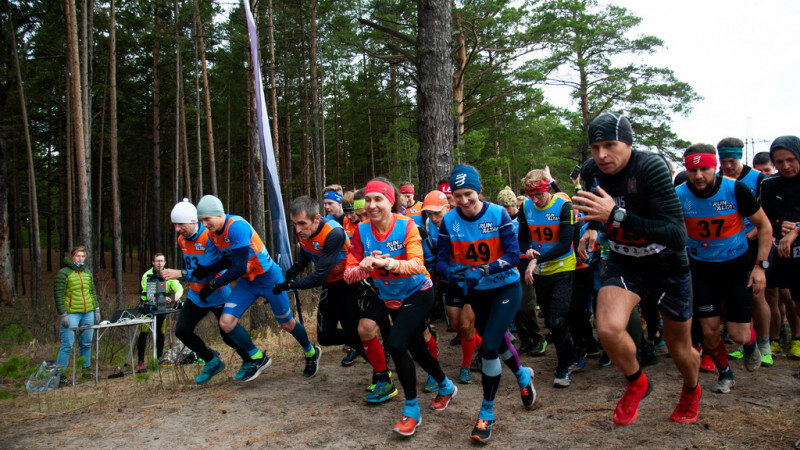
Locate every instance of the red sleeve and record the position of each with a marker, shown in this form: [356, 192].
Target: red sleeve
[355, 254]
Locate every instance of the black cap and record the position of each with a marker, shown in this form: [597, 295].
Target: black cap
[610, 127]
[791, 143]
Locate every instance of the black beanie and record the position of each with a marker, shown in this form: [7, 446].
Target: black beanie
[610, 127]
[791, 143]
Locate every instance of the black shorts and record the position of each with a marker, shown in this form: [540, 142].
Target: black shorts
[779, 273]
[672, 294]
[454, 297]
[716, 282]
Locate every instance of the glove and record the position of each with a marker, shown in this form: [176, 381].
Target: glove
[455, 276]
[472, 277]
[293, 272]
[201, 272]
[65, 320]
[280, 287]
[97, 315]
[205, 292]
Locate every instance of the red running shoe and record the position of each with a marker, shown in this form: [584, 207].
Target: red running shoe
[406, 426]
[440, 402]
[707, 364]
[627, 409]
[688, 406]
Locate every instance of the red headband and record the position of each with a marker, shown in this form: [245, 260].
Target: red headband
[700, 161]
[445, 187]
[539, 186]
[407, 190]
[381, 188]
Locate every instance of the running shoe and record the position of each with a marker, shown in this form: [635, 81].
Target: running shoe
[375, 380]
[688, 408]
[256, 367]
[724, 383]
[242, 370]
[776, 348]
[627, 409]
[592, 348]
[604, 360]
[577, 366]
[527, 392]
[647, 356]
[440, 402]
[477, 363]
[752, 360]
[382, 392]
[562, 379]
[707, 364]
[794, 350]
[463, 375]
[482, 432]
[210, 369]
[766, 360]
[406, 426]
[141, 367]
[430, 384]
[455, 341]
[312, 363]
[736, 354]
[539, 348]
[350, 357]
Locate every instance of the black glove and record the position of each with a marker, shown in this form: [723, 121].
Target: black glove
[281, 287]
[205, 292]
[293, 272]
[201, 272]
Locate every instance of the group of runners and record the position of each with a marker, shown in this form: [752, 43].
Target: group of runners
[720, 247]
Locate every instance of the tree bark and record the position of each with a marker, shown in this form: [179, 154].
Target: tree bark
[7, 292]
[112, 144]
[369, 117]
[314, 94]
[156, 236]
[36, 249]
[435, 93]
[198, 132]
[212, 159]
[81, 152]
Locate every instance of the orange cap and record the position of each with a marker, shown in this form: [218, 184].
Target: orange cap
[434, 201]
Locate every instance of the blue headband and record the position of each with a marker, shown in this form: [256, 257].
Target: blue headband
[335, 196]
[730, 152]
[465, 177]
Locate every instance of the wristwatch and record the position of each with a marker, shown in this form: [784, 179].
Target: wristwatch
[618, 215]
[763, 264]
[184, 273]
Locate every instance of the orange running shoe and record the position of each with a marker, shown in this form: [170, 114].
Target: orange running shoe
[440, 402]
[482, 432]
[627, 409]
[707, 364]
[406, 426]
[688, 408]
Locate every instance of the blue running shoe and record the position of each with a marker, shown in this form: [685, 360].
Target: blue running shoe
[243, 370]
[577, 366]
[382, 392]
[562, 380]
[211, 368]
[431, 385]
[463, 375]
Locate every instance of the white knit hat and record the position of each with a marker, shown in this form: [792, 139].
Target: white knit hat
[184, 212]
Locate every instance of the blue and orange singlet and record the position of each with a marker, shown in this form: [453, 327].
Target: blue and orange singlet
[238, 233]
[314, 246]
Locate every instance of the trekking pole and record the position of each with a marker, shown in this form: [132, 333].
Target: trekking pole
[297, 305]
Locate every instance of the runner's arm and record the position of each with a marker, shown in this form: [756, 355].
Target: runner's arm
[352, 274]
[238, 267]
[566, 234]
[443, 252]
[508, 239]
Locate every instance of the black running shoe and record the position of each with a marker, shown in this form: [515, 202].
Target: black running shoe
[482, 432]
[605, 360]
[312, 363]
[256, 367]
[350, 357]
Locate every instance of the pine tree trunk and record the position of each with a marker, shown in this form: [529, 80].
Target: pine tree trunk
[273, 94]
[36, 249]
[435, 93]
[369, 118]
[199, 134]
[212, 160]
[99, 256]
[314, 94]
[7, 293]
[81, 152]
[156, 236]
[116, 232]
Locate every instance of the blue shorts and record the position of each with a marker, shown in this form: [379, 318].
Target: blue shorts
[246, 292]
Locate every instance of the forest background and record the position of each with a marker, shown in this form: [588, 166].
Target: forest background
[110, 112]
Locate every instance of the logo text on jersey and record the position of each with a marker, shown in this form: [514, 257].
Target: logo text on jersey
[487, 227]
[722, 205]
[395, 245]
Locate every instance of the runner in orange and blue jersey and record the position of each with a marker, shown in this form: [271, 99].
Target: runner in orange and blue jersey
[324, 243]
[351, 219]
[478, 253]
[388, 250]
[247, 260]
[413, 208]
[196, 251]
[714, 209]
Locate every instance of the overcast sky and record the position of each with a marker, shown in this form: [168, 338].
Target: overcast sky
[742, 56]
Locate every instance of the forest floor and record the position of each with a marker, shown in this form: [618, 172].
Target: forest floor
[282, 409]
